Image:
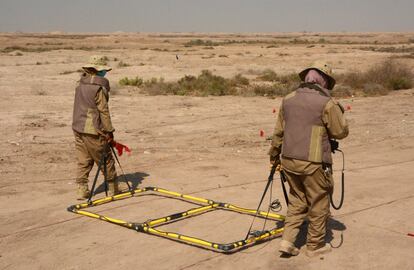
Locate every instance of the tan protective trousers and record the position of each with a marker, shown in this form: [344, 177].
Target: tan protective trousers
[89, 151]
[308, 197]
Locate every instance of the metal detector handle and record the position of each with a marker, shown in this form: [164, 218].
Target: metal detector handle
[272, 171]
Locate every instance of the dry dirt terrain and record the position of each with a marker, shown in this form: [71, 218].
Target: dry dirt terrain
[205, 146]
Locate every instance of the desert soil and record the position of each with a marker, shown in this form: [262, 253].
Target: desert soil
[205, 146]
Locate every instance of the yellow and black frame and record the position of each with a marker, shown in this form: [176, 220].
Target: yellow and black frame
[205, 205]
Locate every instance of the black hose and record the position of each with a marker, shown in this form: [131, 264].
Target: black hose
[341, 202]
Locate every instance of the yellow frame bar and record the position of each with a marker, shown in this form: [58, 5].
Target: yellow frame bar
[206, 206]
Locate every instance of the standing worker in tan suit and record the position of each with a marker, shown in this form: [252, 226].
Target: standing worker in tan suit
[307, 122]
[92, 125]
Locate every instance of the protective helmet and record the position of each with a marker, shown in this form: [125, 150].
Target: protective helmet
[98, 63]
[322, 67]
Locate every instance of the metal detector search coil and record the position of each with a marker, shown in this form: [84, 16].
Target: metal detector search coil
[149, 226]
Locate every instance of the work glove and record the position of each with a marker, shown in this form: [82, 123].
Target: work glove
[109, 137]
[274, 160]
[334, 145]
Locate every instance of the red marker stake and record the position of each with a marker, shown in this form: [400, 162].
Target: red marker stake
[410, 234]
[261, 133]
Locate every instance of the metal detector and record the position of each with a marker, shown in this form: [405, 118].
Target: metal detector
[103, 163]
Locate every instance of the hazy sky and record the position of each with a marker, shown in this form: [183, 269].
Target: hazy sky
[206, 15]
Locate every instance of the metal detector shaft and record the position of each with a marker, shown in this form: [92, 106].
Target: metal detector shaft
[102, 162]
[283, 180]
[269, 181]
[120, 167]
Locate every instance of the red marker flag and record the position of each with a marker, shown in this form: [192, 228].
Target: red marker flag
[120, 148]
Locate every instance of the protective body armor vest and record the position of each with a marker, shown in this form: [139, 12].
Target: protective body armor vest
[305, 135]
[86, 117]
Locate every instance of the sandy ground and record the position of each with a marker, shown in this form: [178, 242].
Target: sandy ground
[205, 146]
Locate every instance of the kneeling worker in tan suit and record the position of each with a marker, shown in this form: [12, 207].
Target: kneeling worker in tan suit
[308, 119]
[92, 125]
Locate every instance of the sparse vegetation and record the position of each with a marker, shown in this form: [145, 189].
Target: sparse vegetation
[49, 48]
[389, 74]
[40, 92]
[275, 89]
[374, 89]
[122, 64]
[342, 91]
[200, 42]
[268, 75]
[205, 84]
[208, 84]
[160, 50]
[239, 80]
[137, 81]
[71, 71]
[390, 49]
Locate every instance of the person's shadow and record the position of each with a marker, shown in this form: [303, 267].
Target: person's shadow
[134, 179]
[332, 225]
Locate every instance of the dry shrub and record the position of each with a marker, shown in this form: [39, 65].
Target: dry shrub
[268, 75]
[40, 92]
[239, 80]
[123, 64]
[342, 91]
[389, 49]
[205, 84]
[275, 89]
[374, 89]
[200, 42]
[390, 75]
[137, 81]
